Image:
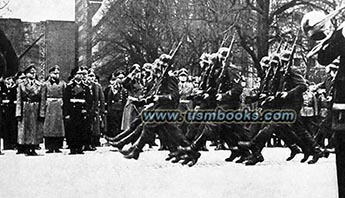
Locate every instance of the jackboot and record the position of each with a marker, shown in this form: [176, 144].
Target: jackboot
[256, 158]
[294, 151]
[134, 154]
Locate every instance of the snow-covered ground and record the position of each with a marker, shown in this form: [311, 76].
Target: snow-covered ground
[105, 173]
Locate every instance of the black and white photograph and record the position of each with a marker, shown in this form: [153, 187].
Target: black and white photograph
[172, 98]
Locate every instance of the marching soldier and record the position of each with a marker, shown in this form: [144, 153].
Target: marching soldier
[290, 98]
[165, 97]
[8, 94]
[77, 104]
[30, 133]
[228, 98]
[136, 126]
[228, 90]
[52, 94]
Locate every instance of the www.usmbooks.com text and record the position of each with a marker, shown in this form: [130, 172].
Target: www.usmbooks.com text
[219, 116]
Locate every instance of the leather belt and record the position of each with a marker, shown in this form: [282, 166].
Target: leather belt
[78, 100]
[54, 99]
[185, 101]
[5, 101]
[30, 101]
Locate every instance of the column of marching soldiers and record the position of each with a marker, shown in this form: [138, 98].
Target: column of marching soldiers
[33, 112]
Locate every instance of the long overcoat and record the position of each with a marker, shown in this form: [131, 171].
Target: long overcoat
[52, 94]
[28, 108]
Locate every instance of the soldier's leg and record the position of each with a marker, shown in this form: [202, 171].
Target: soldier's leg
[232, 134]
[292, 141]
[186, 151]
[311, 146]
[145, 134]
[340, 161]
[88, 139]
[132, 137]
[134, 124]
[117, 123]
[329, 133]
[176, 134]
[254, 129]
[205, 131]
[49, 144]
[14, 131]
[31, 150]
[58, 144]
[258, 142]
[324, 126]
[69, 129]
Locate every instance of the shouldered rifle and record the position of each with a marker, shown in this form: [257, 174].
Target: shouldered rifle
[287, 68]
[224, 63]
[173, 53]
[230, 48]
[265, 79]
[225, 38]
[279, 46]
[276, 96]
[165, 72]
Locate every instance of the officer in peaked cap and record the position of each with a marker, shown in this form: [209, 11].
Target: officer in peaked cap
[53, 127]
[77, 104]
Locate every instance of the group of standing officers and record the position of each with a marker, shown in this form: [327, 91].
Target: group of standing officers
[33, 112]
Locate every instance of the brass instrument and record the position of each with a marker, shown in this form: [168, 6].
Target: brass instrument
[321, 21]
[315, 24]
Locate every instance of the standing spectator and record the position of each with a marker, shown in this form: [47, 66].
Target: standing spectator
[8, 94]
[30, 133]
[132, 82]
[77, 103]
[52, 93]
[115, 97]
[98, 110]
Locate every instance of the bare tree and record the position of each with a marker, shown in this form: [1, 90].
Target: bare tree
[274, 21]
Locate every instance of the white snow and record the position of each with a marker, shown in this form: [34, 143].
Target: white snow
[105, 173]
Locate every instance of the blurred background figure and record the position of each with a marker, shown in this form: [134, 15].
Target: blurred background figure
[98, 111]
[8, 125]
[115, 99]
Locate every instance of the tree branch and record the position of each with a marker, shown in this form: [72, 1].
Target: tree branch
[251, 52]
[260, 11]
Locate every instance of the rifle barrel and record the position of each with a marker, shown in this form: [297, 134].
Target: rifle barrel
[177, 48]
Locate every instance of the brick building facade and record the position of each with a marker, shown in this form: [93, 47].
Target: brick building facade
[57, 46]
